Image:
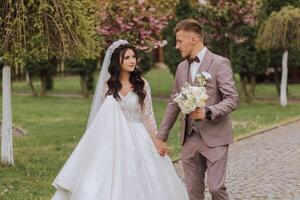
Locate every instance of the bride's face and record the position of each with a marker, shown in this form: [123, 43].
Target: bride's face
[129, 62]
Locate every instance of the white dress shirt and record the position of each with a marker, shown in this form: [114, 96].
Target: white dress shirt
[195, 66]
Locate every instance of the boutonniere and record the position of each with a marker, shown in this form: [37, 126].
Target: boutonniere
[202, 78]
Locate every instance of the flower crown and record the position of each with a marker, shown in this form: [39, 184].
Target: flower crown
[116, 44]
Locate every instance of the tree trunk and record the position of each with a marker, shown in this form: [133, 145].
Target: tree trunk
[252, 87]
[30, 83]
[43, 85]
[7, 155]
[243, 85]
[83, 83]
[283, 86]
[61, 64]
[160, 55]
[19, 72]
[159, 58]
[277, 82]
[12, 73]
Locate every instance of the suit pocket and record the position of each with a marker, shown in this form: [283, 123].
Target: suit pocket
[211, 87]
[219, 119]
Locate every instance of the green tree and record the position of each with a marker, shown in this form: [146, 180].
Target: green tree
[184, 9]
[248, 61]
[269, 6]
[140, 23]
[281, 31]
[59, 31]
[38, 31]
[12, 27]
[231, 28]
[274, 56]
[85, 68]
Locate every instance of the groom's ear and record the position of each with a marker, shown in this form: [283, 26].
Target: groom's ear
[196, 38]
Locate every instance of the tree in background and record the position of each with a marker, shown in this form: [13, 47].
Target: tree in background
[61, 30]
[269, 6]
[38, 31]
[12, 28]
[274, 56]
[225, 23]
[45, 70]
[231, 28]
[248, 61]
[281, 31]
[85, 68]
[184, 9]
[140, 23]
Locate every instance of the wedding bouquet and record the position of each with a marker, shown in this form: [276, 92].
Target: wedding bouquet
[193, 96]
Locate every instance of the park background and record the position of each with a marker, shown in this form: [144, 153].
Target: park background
[51, 52]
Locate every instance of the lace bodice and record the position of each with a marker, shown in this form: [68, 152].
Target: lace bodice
[131, 107]
[133, 110]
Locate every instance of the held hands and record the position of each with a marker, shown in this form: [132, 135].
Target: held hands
[198, 114]
[161, 147]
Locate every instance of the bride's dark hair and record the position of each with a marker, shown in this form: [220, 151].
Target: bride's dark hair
[114, 84]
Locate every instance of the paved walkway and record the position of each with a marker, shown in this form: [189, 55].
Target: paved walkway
[264, 166]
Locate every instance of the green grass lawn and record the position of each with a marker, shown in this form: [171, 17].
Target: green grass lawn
[62, 85]
[268, 91]
[56, 124]
[160, 81]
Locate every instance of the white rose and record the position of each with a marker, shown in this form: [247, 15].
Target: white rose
[206, 75]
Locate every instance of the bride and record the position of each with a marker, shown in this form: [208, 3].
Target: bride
[116, 158]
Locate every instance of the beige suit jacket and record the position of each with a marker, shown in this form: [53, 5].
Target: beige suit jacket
[223, 99]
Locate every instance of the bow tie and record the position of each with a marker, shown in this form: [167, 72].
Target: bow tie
[195, 59]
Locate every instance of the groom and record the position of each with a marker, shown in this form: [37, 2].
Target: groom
[204, 143]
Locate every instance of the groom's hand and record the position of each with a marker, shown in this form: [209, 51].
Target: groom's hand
[161, 147]
[198, 114]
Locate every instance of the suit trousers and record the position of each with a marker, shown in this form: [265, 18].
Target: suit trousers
[198, 158]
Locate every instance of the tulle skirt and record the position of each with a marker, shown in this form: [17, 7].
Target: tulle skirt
[117, 160]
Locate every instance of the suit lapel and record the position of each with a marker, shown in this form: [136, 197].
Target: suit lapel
[207, 59]
[185, 72]
[204, 67]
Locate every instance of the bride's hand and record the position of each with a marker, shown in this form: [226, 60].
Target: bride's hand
[161, 147]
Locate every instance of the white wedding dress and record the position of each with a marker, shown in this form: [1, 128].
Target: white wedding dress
[116, 158]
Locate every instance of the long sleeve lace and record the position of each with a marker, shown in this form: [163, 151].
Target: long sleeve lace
[104, 91]
[147, 112]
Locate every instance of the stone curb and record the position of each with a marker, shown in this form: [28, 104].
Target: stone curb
[257, 132]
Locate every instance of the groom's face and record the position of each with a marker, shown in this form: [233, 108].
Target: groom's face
[184, 43]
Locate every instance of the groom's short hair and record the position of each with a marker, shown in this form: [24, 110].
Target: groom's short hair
[189, 25]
